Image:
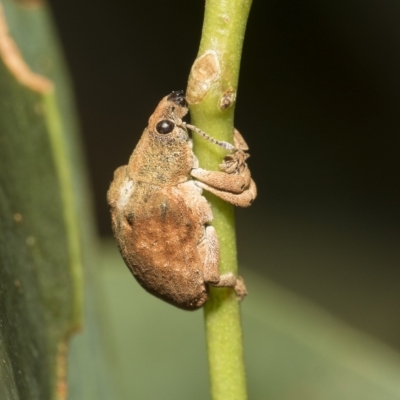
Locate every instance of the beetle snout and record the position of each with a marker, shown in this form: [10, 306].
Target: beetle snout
[178, 97]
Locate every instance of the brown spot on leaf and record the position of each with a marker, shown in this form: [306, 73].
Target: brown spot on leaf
[227, 99]
[205, 71]
[13, 60]
[17, 217]
[62, 371]
[225, 18]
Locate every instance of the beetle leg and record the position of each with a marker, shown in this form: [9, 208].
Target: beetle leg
[236, 283]
[238, 141]
[223, 181]
[233, 179]
[209, 249]
[243, 199]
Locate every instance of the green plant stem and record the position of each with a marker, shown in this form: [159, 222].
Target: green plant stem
[211, 94]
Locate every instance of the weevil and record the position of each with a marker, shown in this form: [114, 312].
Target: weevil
[160, 218]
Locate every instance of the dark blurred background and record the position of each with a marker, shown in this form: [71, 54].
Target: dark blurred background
[318, 103]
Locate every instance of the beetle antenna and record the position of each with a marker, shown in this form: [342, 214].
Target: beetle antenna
[224, 145]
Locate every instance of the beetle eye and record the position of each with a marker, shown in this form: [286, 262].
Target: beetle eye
[165, 126]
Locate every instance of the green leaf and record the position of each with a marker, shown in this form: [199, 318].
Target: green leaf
[40, 206]
[294, 349]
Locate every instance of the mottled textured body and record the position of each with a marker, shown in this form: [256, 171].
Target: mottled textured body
[159, 216]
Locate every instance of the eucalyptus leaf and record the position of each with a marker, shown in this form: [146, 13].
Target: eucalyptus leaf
[46, 228]
[294, 349]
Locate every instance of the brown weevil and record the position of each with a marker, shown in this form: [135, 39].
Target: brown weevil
[160, 218]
